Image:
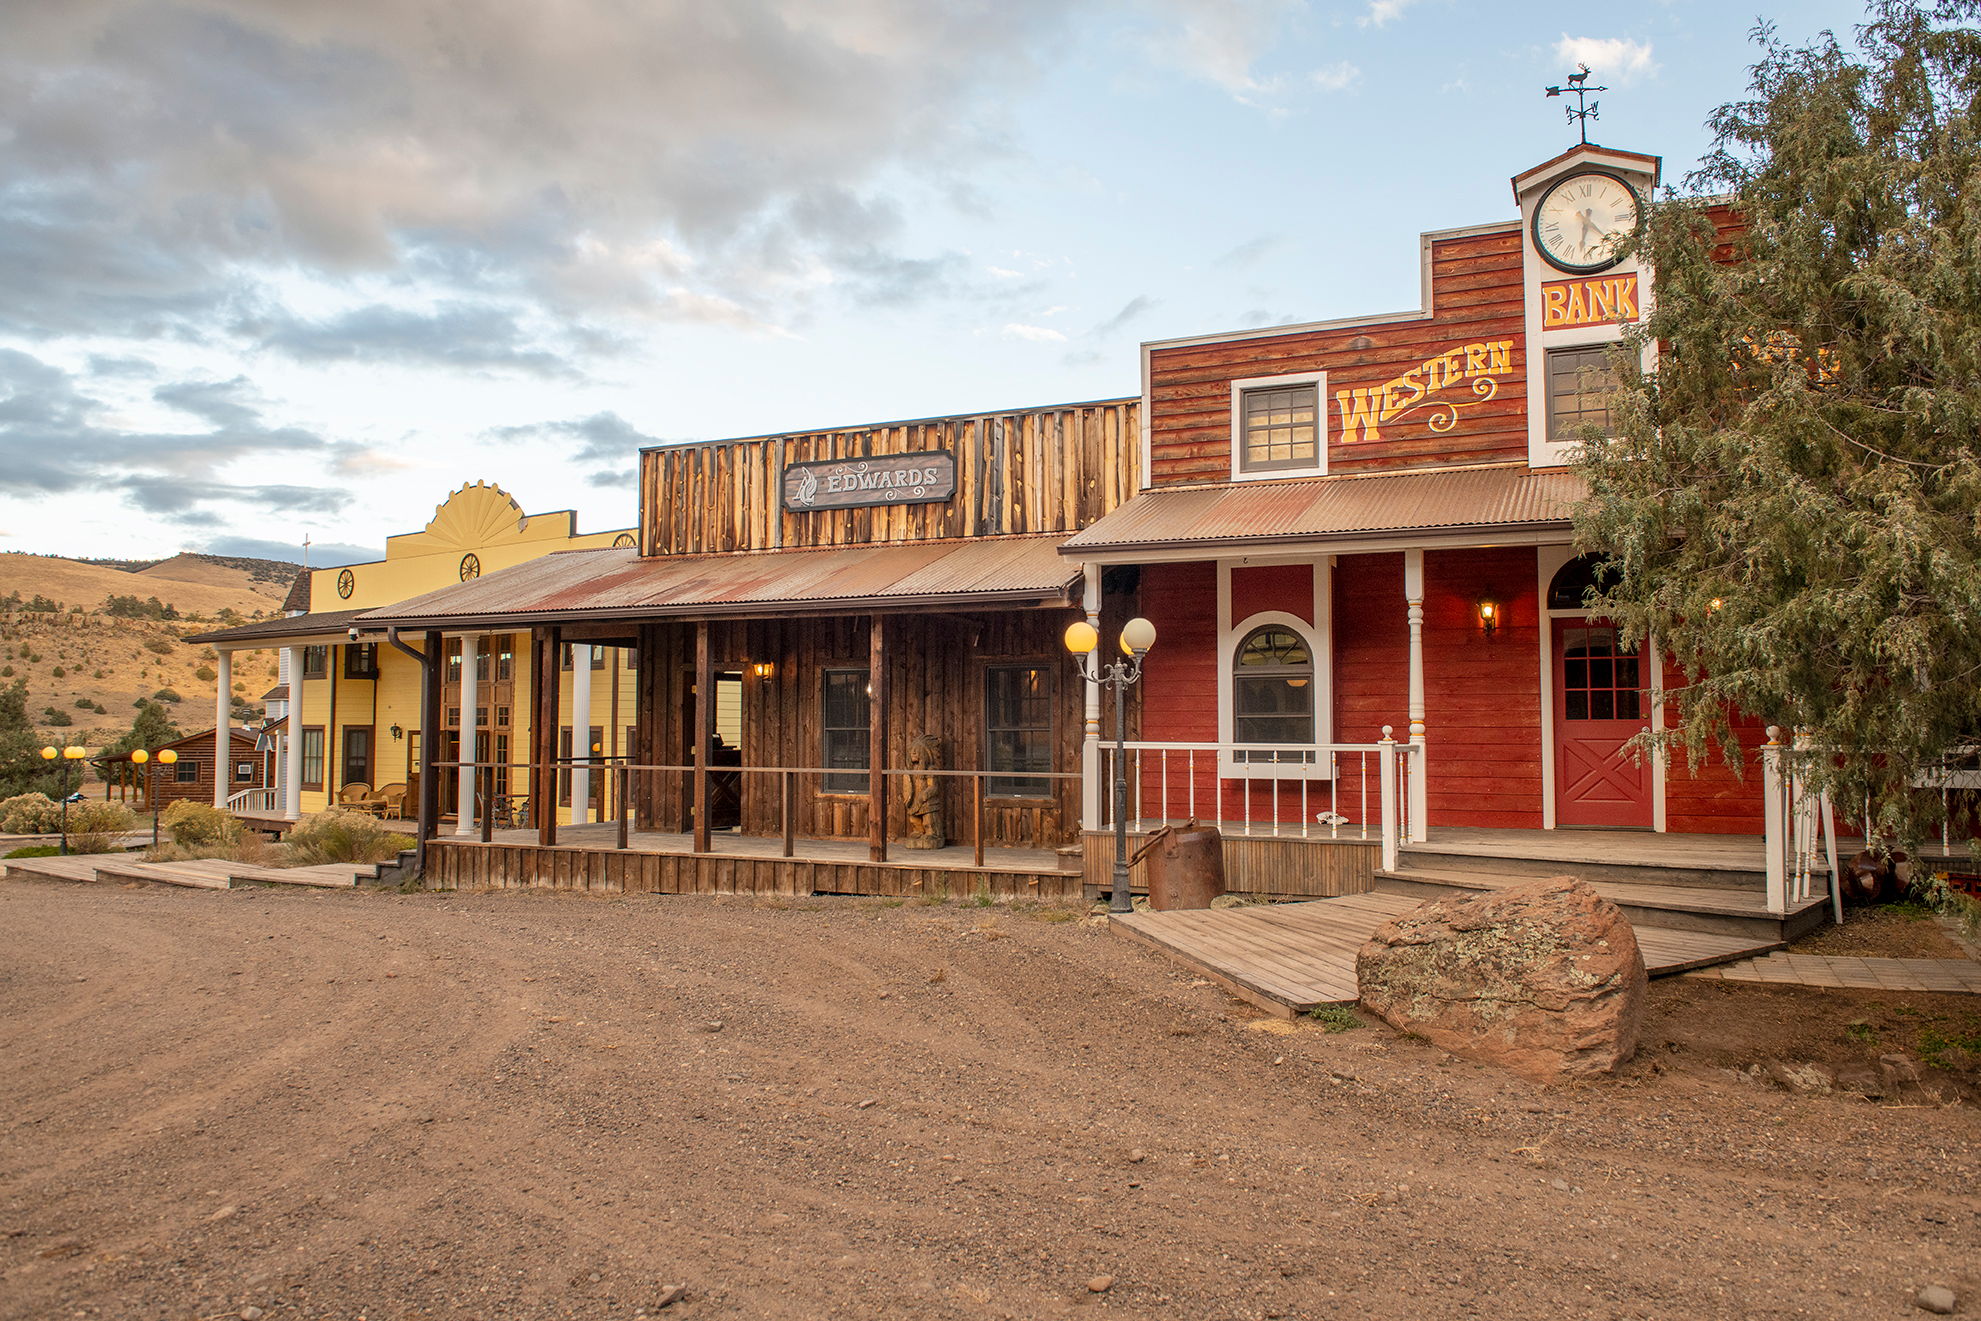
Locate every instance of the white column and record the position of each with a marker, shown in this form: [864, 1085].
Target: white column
[581, 731]
[1090, 746]
[470, 700]
[292, 772]
[223, 742]
[1413, 595]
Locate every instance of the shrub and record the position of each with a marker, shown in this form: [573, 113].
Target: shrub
[84, 704]
[56, 717]
[206, 674]
[30, 814]
[158, 645]
[97, 675]
[340, 835]
[166, 695]
[199, 824]
[6, 671]
[35, 851]
[100, 818]
[59, 673]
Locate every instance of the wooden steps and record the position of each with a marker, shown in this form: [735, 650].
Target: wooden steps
[1289, 958]
[1709, 910]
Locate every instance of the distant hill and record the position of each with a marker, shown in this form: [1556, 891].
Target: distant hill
[269, 578]
[201, 585]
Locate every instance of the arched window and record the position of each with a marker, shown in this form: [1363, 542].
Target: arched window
[1573, 581]
[1272, 690]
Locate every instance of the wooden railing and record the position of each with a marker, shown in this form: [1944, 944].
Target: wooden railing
[1297, 791]
[1793, 816]
[255, 802]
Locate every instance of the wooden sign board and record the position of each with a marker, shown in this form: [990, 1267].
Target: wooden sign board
[925, 477]
[1601, 300]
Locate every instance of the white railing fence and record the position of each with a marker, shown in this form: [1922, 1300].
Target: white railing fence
[256, 802]
[1799, 822]
[1304, 791]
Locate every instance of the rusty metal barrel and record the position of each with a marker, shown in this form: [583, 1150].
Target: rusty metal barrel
[1184, 865]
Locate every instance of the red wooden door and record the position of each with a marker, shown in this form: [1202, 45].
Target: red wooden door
[1600, 704]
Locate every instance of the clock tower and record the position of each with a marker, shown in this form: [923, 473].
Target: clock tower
[1578, 215]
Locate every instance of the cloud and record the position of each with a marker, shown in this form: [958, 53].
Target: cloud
[603, 438]
[51, 444]
[1615, 60]
[1335, 77]
[1037, 334]
[321, 553]
[1138, 306]
[1382, 11]
[1217, 40]
[1252, 251]
[166, 165]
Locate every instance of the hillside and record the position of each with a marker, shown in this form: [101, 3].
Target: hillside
[75, 663]
[270, 578]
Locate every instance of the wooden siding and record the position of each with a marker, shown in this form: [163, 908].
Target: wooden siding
[936, 667]
[1041, 470]
[1713, 800]
[1482, 697]
[1260, 866]
[471, 865]
[1476, 296]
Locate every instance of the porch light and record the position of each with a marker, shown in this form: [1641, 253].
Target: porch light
[763, 669]
[398, 732]
[167, 757]
[1137, 636]
[1082, 637]
[1489, 616]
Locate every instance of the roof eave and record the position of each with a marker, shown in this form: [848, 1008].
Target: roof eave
[1352, 536]
[1026, 598]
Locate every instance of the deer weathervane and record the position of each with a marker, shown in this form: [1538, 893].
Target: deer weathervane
[1585, 109]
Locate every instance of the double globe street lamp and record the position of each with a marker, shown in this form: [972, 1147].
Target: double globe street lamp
[1083, 640]
[69, 755]
[165, 758]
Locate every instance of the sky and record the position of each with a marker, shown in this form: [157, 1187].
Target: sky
[276, 269]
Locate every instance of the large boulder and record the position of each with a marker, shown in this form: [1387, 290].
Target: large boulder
[1543, 979]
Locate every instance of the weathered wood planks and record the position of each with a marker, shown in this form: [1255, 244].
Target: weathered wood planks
[1284, 868]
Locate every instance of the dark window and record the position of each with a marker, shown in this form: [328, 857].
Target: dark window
[504, 646]
[1272, 693]
[844, 716]
[188, 772]
[453, 660]
[481, 717]
[1018, 729]
[501, 717]
[1281, 429]
[316, 662]
[244, 770]
[361, 660]
[501, 762]
[481, 660]
[453, 717]
[1579, 385]
[1570, 587]
[598, 655]
[1598, 681]
[313, 756]
[357, 754]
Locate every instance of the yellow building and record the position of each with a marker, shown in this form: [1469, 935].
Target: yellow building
[344, 715]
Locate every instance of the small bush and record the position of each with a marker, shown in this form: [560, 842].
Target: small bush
[6, 671]
[97, 675]
[94, 842]
[100, 818]
[56, 717]
[166, 695]
[199, 824]
[1335, 1018]
[206, 674]
[30, 814]
[158, 646]
[35, 851]
[59, 673]
[344, 836]
[84, 704]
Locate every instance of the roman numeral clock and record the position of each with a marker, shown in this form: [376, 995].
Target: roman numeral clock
[1583, 224]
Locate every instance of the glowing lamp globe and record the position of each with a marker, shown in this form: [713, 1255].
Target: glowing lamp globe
[140, 757]
[48, 754]
[167, 757]
[1081, 637]
[1137, 636]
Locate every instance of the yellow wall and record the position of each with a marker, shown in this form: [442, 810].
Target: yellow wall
[478, 520]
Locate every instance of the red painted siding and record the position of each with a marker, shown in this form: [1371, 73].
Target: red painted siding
[1713, 800]
[1288, 588]
[1482, 697]
[1475, 296]
[1179, 677]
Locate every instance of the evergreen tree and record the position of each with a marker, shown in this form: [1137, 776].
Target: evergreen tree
[22, 767]
[1790, 497]
[151, 730]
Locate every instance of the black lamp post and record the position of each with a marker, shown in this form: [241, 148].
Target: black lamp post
[1137, 636]
[166, 758]
[68, 755]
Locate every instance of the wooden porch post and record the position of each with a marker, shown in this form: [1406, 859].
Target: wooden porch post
[432, 715]
[548, 694]
[533, 750]
[704, 714]
[876, 744]
[1413, 595]
[465, 779]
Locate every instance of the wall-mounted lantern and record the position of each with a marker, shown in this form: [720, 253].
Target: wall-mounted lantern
[1489, 617]
[763, 669]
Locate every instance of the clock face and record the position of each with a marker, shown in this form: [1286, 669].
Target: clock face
[1583, 223]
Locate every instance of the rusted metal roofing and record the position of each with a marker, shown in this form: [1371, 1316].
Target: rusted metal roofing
[264, 632]
[615, 583]
[1336, 509]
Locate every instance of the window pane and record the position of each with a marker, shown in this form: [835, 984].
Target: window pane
[844, 708]
[1280, 428]
[1018, 729]
[1627, 705]
[1575, 673]
[1602, 705]
[1578, 705]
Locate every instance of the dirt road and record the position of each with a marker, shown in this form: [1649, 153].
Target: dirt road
[525, 1105]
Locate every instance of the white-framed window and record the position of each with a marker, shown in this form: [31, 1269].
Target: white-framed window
[1276, 681]
[1579, 384]
[1279, 426]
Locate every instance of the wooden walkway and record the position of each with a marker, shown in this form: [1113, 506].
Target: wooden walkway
[1955, 976]
[204, 874]
[1289, 958]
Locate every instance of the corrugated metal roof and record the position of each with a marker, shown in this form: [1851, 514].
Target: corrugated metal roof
[1336, 508]
[286, 626]
[615, 583]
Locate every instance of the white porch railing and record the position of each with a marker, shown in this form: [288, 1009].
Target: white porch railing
[255, 802]
[1793, 818]
[1300, 791]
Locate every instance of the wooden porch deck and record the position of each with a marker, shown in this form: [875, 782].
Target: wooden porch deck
[201, 874]
[1289, 958]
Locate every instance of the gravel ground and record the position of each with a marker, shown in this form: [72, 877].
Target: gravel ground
[272, 1103]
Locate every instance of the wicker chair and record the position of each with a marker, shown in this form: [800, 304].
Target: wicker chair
[358, 795]
[390, 801]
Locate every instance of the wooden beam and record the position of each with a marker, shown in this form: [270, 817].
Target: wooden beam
[704, 716]
[432, 716]
[532, 750]
[876, 743]
[547, 697]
